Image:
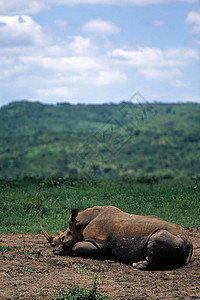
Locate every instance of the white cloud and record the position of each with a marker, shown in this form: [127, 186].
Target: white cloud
[99, 26]
[73, 82]
[179, 83]
[183, 56]
[80, 46]
[160, 74]
[110, 77]
[148, 57]
[158, 22]
[193, 18]
[120, 2]
[71, 46]
[57, 93]
[10, 67]
[73, 64]
[61, 64]
[51, 67]
[20, 30]
[96, 78]
[76, 60]
[154, 57]
[15, 7]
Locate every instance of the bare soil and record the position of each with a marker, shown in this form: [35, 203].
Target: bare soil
[25, 275]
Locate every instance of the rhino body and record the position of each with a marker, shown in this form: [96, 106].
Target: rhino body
[106, 232]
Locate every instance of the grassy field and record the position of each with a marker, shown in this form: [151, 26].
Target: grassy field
[25, 204]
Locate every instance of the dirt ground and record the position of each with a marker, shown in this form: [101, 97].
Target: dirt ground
[26, 275]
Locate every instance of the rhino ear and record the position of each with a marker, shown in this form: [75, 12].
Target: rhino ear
[74, 213]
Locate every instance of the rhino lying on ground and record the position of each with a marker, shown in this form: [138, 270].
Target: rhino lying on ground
[105, 232]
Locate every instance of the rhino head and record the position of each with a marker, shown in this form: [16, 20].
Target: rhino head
[64, 241]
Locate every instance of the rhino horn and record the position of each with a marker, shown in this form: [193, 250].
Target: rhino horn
[47, 236]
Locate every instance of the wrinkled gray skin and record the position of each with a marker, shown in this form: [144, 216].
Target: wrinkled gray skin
[101, 232]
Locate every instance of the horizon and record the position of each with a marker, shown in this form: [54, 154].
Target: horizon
[101, 103]
[99, 51]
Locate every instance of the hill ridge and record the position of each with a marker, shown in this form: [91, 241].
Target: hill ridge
[37, 139]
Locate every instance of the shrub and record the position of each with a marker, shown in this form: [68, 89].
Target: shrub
[77, 293]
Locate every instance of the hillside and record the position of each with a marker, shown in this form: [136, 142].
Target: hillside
[101, 140]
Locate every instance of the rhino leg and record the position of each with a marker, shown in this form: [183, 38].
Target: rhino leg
[164, 251]
[141, 265]
[89, 249]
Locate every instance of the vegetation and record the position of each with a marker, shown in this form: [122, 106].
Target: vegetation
[143, 158]
[26, 204]
[77, 293]
[5, 249]
[109, 140]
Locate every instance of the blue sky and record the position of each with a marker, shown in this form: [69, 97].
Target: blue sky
[97, 51]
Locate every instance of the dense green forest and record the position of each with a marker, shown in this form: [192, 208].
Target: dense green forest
[139, 140]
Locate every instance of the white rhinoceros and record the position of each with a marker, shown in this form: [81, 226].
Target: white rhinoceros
[106, 232]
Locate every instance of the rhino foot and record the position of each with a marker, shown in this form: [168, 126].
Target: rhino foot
[141, 265]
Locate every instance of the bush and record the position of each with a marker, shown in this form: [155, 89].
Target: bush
[77, 293]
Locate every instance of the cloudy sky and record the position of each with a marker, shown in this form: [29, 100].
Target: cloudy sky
[96, 51]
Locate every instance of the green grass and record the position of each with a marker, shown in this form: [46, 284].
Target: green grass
[34, 251]
[4, 249]
[77, 293]
[26, 204]
[25, 269]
